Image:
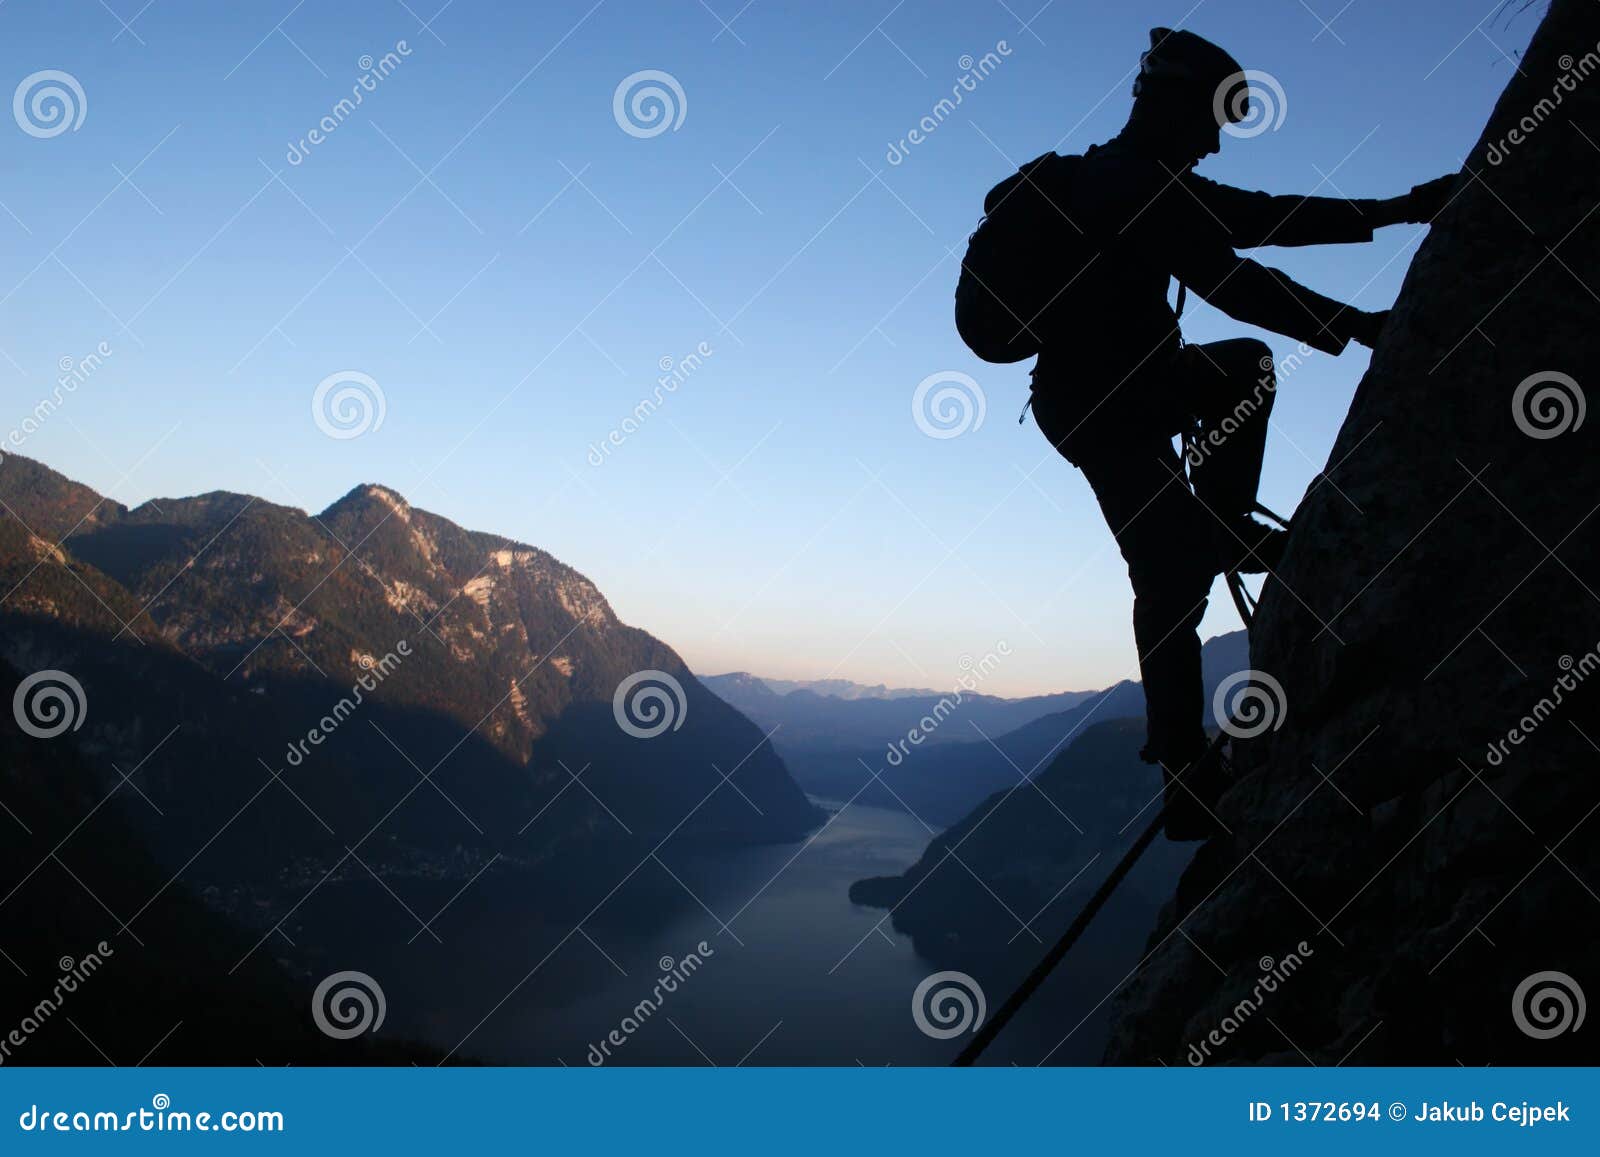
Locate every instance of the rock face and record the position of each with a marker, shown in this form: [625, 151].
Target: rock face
[1421, 829]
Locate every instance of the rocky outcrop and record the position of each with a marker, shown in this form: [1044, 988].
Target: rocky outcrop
[1419, 834]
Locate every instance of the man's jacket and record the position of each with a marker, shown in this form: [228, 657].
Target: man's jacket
[1141, 227]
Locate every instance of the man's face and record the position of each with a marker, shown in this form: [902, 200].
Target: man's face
[1185, 125]
[1196, 138]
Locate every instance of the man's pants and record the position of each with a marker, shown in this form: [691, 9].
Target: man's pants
[1173, 538]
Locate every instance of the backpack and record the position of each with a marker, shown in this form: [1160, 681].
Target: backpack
[1021, 261]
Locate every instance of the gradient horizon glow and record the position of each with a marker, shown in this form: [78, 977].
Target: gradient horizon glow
[483, 239]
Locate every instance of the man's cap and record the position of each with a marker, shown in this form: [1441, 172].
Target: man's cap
[1179, 55]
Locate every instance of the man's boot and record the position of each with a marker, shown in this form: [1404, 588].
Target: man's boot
[1190, 790]
[1249, 547]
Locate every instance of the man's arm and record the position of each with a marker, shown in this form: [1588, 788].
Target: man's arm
[1254, 293]
[1253, 219]
[1180, 235]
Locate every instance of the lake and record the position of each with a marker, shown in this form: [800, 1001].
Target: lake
[793, 972]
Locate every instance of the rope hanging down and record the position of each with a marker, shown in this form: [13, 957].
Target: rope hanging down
[1034, 979]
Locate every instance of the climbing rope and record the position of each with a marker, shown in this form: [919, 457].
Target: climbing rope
[1034, 979]
[1042, 970]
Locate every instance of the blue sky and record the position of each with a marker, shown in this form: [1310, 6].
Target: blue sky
[484, 241]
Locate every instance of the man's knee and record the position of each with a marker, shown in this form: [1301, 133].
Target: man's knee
[1266, 370]
[1252, 380]
[1250, 364]
[1257, 353]
[1177, 603]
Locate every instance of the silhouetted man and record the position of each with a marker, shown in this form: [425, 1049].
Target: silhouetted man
[1115, 382]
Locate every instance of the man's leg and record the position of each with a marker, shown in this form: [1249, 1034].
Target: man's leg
[1230, 387]
[1165, 539]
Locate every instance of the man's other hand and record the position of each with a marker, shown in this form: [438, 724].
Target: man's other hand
[1423, 203]
[1364, 327]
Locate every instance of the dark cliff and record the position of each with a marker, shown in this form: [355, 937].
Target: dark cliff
[1423, 819]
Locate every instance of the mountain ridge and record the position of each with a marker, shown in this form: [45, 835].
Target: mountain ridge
[501, 642]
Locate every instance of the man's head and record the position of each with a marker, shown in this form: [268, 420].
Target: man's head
[1186, 90]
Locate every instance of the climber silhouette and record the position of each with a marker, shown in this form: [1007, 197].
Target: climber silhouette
[1115, 382]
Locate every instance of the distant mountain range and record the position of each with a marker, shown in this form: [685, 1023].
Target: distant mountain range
[811, 719]
[736, 683]
[979, 743]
